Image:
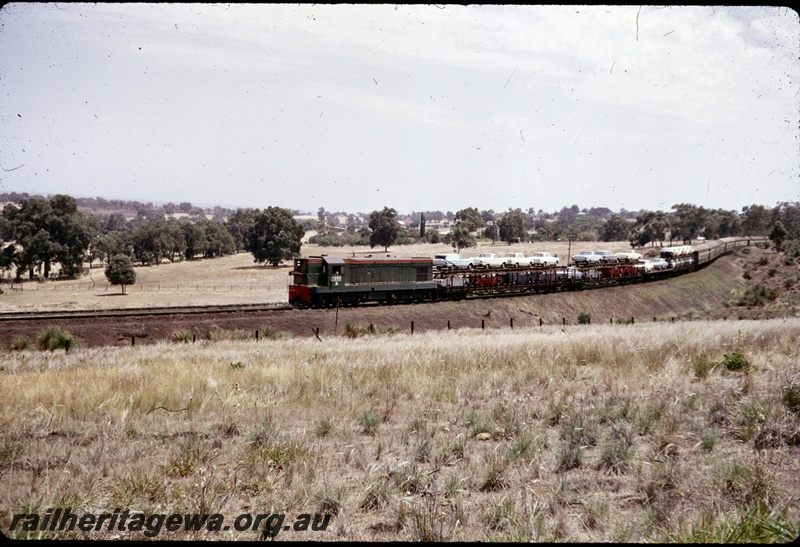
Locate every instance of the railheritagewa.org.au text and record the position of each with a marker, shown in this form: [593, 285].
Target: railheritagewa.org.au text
[64, 520]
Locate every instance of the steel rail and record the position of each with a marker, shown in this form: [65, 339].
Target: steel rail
[141, 312]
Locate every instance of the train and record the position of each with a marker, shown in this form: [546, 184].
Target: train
[332, 281]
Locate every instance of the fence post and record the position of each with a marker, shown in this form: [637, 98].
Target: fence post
[256, 335]
[564, 320]
[194, 338]
[511, 320]
[631, 320]
[541, 321]
[133, 340]
[448, 324]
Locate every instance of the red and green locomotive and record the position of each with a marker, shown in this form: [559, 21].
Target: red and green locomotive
[328, 281]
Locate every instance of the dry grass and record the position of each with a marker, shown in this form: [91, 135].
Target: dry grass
[586, 433]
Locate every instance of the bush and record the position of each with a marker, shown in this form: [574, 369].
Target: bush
[268, 333]
[757, 296]
[20, 343]
[584, 318]
[702, 368]
[370, 420]
[709, 440]
[736, 361]
[791, 394]
[181, 336]
[55, 338]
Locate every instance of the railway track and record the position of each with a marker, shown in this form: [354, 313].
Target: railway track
[141, 312]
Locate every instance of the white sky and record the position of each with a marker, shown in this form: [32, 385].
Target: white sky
[415, 107]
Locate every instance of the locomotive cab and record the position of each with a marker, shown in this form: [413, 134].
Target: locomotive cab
[316, 271]
[332, 272]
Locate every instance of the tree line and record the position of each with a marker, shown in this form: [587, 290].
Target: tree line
[53, 231]
[46, 232]
[684, 223]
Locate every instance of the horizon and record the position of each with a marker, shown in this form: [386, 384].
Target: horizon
[206, 206]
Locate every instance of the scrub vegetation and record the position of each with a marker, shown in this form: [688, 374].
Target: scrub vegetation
[683, 431]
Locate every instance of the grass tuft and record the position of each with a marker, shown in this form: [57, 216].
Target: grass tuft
[54, 338]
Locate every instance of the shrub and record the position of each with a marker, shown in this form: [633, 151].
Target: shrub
[370, 420]
[758, 296]
[791, 394]
[754, 526]
[736, 361]
[268, 444]
[181, 336]
[323, 427]
[269, 333]
[20, 343]
[709, 440]
[702, 368]
[569, 457]
[520, 446]
[584, 318]
[495, 478]
[55, 338]
[615, 457]
[378, 495]
[351, 331]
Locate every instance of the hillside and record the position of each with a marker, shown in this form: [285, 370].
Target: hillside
[720, 291]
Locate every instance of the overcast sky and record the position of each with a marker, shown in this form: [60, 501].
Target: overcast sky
[416, 107]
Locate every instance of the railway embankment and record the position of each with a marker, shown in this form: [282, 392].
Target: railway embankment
[708, 293]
